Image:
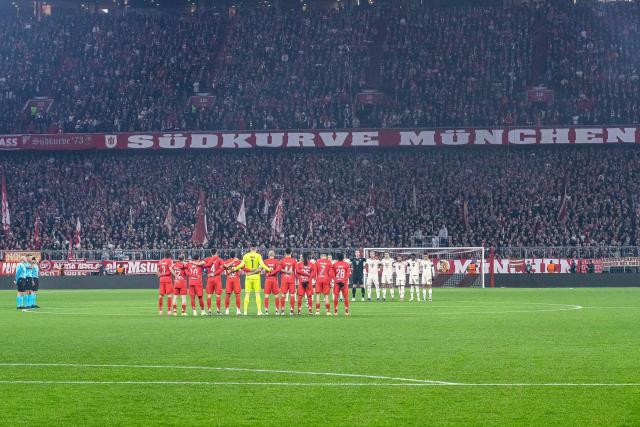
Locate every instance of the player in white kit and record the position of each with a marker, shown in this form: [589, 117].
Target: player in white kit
[427, 277]
[387, 277]
[372, 266]
[413, 265]
[400, 266]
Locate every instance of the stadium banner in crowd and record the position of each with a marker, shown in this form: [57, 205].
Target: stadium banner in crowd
[449, 266]
[14, 256]
[422, 137]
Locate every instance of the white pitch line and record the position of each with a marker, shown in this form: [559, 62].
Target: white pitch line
[214, 368]
[298, 384]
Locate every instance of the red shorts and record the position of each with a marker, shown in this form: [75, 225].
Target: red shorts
[166, 285]
[180, 287]
[271, 286]
[305, 288]
[195, 288]
[233, 285]
[323, 286]
[214, 285]
[341, 288]
[287, 284]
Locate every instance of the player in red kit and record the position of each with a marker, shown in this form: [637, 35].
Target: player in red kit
[166, 282]
[232, 283]
[306, 273]
[214, 266]
[194, 276]
[287, 280]
[341, 273]
[271, 286]
[179, 284]
[324, 275]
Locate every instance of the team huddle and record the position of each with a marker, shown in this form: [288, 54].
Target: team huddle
[286, 280]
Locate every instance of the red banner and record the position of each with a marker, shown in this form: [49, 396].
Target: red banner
[325, 139]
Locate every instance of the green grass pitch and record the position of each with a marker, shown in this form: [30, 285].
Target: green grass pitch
[471, 357]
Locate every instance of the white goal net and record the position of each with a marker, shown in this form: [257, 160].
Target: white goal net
[453, 267]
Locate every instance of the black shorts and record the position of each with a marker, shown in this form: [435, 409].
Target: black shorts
[35, 284]
[357, 280]
[23, 285]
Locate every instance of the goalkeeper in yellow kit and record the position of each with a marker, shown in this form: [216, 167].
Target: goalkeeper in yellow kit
[252, 261]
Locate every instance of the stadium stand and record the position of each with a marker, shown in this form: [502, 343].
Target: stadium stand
[359, 198]
[268, 69]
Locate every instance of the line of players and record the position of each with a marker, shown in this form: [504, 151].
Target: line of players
[302, 278]
[420, 273]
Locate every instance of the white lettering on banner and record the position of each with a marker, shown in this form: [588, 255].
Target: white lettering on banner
[501, 266]
[274, 140]
[8, 142]
[334, 139]
[236, 140]
[172, 140]
[301, 139]
[364, 139]
[554, 136]
[589, 136]
[621, 135]
[140, 141]
[141, 267]
[486, 136]
[455, 137]
[425, 137]
[202, 140]
[522, 136]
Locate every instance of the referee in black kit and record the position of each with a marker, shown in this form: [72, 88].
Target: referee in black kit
[357, 274]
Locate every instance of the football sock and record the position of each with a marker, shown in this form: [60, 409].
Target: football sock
[393, 292]
[353, 292]
[335, 302]
[193, 302]
[299, 301]
[218, 302]
[160, 300]
[19, 301]
[238, 300]
[208, 302]
[412, 291]
[430, 293]
[424, 294]
[368, 291]
[246, 302]
[258, 302]
[266, 302]
[318, 306]
[327, 306]
[310, 303]
[292, 301]
[169, 303]
[346, 305]
[227, 299]
[384, 292]
[362, 290]
[184, 306]
[201, 301]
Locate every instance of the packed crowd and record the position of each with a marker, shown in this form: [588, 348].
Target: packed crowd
[276, 69]
[512, 197]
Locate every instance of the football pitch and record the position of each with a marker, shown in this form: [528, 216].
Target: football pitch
[471, 357]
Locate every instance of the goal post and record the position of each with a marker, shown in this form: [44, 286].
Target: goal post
[454, 266]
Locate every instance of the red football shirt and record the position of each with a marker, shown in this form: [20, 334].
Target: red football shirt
[179, 271]
[288, 266]
[213, 264]
[324, 269]
[274, 265]
[234, 263]
[194, 272]
[305, 272]
[164, 267]
[341, 271]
